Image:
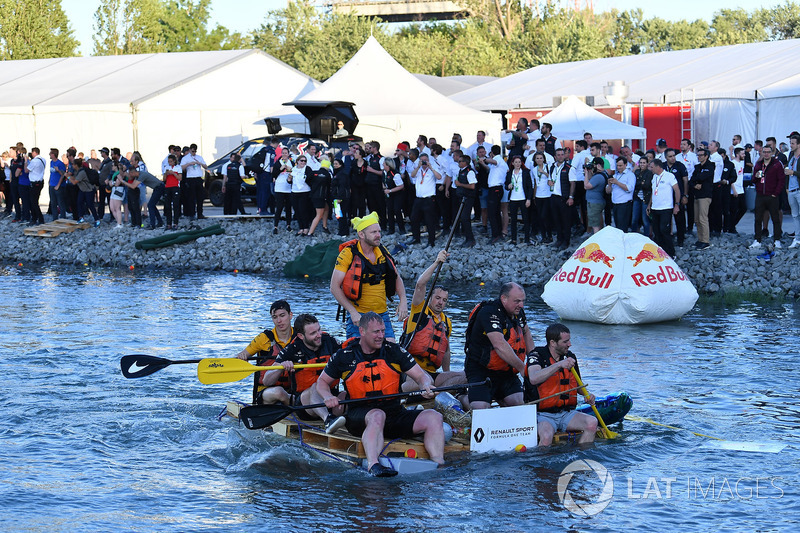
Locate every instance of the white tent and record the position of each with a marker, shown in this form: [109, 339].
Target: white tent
[392, 105]
[750, 89]
[573, 118]
[144, 102]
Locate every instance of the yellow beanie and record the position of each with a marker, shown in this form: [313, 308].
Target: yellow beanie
[363, 223]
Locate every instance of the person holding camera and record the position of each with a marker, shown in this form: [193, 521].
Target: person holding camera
[594, 181]
[424, 177]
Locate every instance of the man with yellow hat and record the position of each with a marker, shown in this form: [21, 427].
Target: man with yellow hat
[365, 276]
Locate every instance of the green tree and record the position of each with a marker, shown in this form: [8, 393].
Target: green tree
[736, 26]
[781, 22]
[662, 35]
[32, 29]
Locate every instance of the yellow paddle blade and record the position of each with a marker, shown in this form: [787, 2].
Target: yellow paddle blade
[228, 370]
[609, 434]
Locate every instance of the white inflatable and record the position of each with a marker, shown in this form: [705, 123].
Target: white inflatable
[620, 278]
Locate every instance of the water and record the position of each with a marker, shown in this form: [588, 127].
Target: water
[84, 449]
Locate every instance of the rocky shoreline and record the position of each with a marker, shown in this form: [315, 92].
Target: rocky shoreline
[728, 268]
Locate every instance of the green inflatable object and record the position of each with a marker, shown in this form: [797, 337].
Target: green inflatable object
[316, 261]
[169, 239]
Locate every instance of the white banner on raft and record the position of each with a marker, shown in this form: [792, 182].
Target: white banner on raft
[620, 278]
[503, 429]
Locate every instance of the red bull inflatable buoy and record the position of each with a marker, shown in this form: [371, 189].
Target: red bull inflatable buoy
[620, 278]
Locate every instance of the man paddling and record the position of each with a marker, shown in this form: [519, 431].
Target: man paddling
[365, 276]
[310, 345]
[269, 343]
[429, 342]
[549, 372]
[372, 367]
[497, 341]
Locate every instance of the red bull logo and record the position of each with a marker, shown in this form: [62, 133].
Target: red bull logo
[583, 276]
[592, 253]
[650, 252]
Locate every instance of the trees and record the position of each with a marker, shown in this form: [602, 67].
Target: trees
[31, 29]
[148, 26]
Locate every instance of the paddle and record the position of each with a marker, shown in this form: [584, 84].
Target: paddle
[140, 365]
[213, 371]
[534, 402]
[410, 338]
[261, 416]
[740, 446]
[609, 434]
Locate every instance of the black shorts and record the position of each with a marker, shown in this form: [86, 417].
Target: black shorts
[318, 203]
[503, 384]
[399, 421]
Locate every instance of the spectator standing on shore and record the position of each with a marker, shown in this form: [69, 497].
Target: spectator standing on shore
[393, 189]
[480, 141]
[540, 213]
[689, 160]
[85, 192]
[23, 183]
[581, 158]
[702, 184]
[373, 179]
[35, 167]
[621, 186]
[719, 191]
[301, 194]
[520, 187]
[518, 138]
[594, 181]
[118, 198]
[195, 166]
[281, 174]
[424, 177]
[466, 182]
[151, 182]
[233, 174]
[358, 182]
[562, 198]
[738, 201]
[128, 178]
[641, 197]
[172, 191]
[498, 169]
[792, 173]
[769, 178]
[727, 182]
[320, 183]
[340, 191]
[58, 173]
[105, 170]
[664, 204]
[678, 169]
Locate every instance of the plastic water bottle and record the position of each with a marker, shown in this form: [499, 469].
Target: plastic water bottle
[337, 209]
[448, 401]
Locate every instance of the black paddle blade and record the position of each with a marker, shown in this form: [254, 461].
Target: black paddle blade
[138, 366]
[261, 416]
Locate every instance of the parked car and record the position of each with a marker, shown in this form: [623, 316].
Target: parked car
[247, 150]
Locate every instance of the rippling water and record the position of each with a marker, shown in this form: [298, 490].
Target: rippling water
[84, 449]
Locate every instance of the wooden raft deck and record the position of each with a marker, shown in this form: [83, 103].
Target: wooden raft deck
[55, 228]
[345, 445]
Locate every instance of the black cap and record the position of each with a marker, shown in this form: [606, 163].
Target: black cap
[104, 150]
[661, 142]
[793, 134]
[748, 146]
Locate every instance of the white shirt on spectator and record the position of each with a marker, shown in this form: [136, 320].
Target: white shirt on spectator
[618, 195]
[425, 183]
[719, 166]
[576, 172]
[195, 170]
[689, 160]
[738, 185]
[498, 172]
[663, 197]
[36, 168]
[548, 159]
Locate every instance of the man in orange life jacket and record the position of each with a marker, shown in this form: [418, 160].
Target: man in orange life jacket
[548, 374]
[310, 345]
[497, 342]
[365, 276]
[372, 367]
[430, 344]
[269, 343]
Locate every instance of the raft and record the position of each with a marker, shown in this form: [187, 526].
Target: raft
[169, 239]
[409, 455]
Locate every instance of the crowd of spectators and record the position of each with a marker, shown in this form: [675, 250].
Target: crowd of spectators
[540, 192]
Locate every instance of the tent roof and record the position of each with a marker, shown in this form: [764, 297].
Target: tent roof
[379, 85]
[453, 84]
[738, 71]
[103, 80]
[573, 118]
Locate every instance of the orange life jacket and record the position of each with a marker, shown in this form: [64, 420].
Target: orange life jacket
[513, 334]
[516, 339]
[560, 382]
[267, 358]
[430, 341]
[362, 270]
[372, 378]
[305, 378]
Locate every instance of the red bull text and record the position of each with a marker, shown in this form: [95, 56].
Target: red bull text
[664, 275]
[583, 276]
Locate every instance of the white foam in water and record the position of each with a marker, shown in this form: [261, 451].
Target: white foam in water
[741, 446]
